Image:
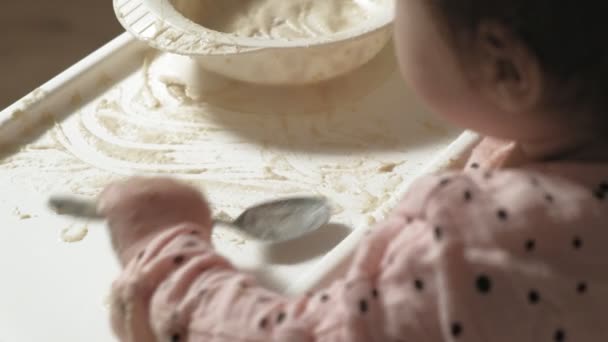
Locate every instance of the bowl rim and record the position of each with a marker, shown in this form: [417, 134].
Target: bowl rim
[220, 43]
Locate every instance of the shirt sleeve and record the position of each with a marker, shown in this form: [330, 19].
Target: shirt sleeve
[471, 257]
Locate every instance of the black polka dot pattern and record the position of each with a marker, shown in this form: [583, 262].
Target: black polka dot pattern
[577, 243]
[419, 284]
[468, 196]
[581, 288]
[601, 191]
[530, 245]
[483, 284]
[438, 233]
[178, 259]
[456, 329]
[533, 297]
[600, 195]
[363, 306]
[502, 214]
[559, 335]
[375, 293]
[280, 317]
[475, 165]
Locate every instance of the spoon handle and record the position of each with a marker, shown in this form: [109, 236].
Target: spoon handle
[76, 207]
[223, 222]
[87, 209]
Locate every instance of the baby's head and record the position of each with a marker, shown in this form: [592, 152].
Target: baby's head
[526, 70]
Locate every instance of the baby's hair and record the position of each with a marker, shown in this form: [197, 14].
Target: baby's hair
[569, 39]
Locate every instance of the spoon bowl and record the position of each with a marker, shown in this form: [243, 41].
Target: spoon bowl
[284, 219]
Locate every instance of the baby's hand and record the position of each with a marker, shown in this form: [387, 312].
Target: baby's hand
[139, 208]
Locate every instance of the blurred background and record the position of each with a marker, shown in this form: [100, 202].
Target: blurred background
[39, 39]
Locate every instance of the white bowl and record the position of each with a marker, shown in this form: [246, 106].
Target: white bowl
[258, 60]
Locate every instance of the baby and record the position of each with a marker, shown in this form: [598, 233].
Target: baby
[513, 248]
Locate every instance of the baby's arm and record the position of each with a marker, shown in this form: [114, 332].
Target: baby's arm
[176, 288]
[184, 291]
[504, 256]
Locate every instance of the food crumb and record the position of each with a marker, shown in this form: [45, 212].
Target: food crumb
[371, 220]
[390, 167]
[223, 216]
[74, 233]
[107, 301]
[76, 100]
[21, 215]
[238, 242]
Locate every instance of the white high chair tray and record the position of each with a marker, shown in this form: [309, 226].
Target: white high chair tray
[126, 109]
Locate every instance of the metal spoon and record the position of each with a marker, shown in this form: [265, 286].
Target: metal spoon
[274, 221]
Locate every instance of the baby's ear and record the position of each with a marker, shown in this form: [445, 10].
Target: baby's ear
[509, 72]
